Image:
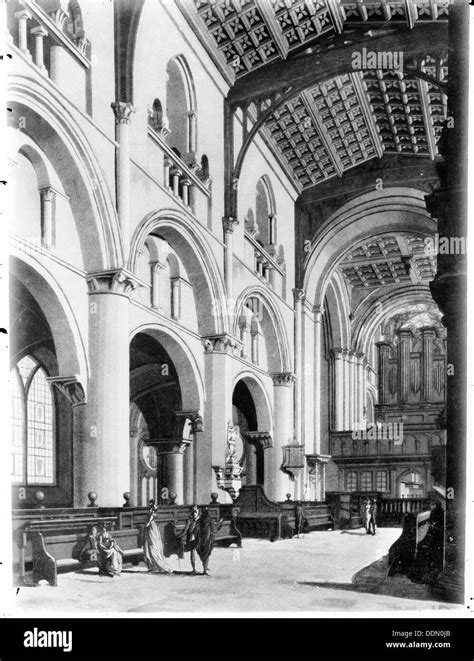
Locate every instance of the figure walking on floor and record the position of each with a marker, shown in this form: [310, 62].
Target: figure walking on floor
[372, 524]
[206, 536]
[190, 536]
[153, 545]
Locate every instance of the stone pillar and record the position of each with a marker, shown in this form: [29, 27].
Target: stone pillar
[47, 216]
[318, 315]
[166, 172]
[254, 342]
[70, 387]
[244, 328]
[360, 390]
[384, 357]
[176, 176]
[23, 16]
[428, 336]
[175, 471]
[272, 229]
[218, 363]
[185, 183]
[299, 296]
[192, 131]
[39, 33]
[404, 347]
[176, 298]
[276, 482]
[156, 268]
[189, 449]
[346, 388]
[106, 458]
[338, 388]
[123, 113]
[448, 204]
[229, 225]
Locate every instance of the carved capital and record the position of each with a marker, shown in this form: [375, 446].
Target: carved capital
[115, 281]
[194, 418]
[299, 295]
[283, 379]
[70, 387]
[39, 31]
[260, 439]
[313, 459]
[229, 224]
[222, 343]
[59, 17]
[83, 45]
[123, 112]
[47, 194]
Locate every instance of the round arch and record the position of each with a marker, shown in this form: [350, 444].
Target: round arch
[36, 105]
[190, 379]
[54, 303]
[260, 398]
[202, 267]
[375, 308]
[373, 214]
[337, 309]
[277, 333]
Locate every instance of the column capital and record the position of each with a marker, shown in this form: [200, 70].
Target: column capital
[222, 343]
[47, 193]
[229, 224]
[260, 439]
[114, 281]
[123, 112]
[23, 13]
[283, 379]
[157, 266]
[59, 17]
[39, 31]
[70, 387]
[313, 459]
[194, 418]
[337, 353]
[299, 295]
[318, 311]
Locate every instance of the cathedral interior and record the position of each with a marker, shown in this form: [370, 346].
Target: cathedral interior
[237, 267]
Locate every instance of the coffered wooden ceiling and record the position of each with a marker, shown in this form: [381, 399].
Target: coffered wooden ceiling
[345, 120]
[389, 260]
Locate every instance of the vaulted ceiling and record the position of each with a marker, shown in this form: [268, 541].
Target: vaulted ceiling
[329, 126]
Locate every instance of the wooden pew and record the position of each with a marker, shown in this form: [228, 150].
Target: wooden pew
[262, 518]
[418, 552]
[57, 543]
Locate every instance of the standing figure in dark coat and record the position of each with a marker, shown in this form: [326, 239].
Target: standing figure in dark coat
[206, 536]
[190, 535]
[300, 519]
[372, 516]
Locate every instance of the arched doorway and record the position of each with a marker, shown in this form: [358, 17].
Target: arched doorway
[252, 430]
[155, 398]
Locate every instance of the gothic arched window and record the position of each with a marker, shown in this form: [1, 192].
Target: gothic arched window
[32, 425]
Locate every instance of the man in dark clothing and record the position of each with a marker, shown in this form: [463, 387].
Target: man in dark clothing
[372, 516]
[190, 534]
[206, 536]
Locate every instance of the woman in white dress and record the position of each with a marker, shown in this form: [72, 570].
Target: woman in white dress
[153, 546]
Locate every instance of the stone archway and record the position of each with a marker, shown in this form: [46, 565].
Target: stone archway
[166, 397]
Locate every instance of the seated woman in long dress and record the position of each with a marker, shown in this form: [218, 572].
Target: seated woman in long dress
[153, 546]
[109, 554]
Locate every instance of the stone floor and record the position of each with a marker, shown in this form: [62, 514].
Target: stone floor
[330, 571]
